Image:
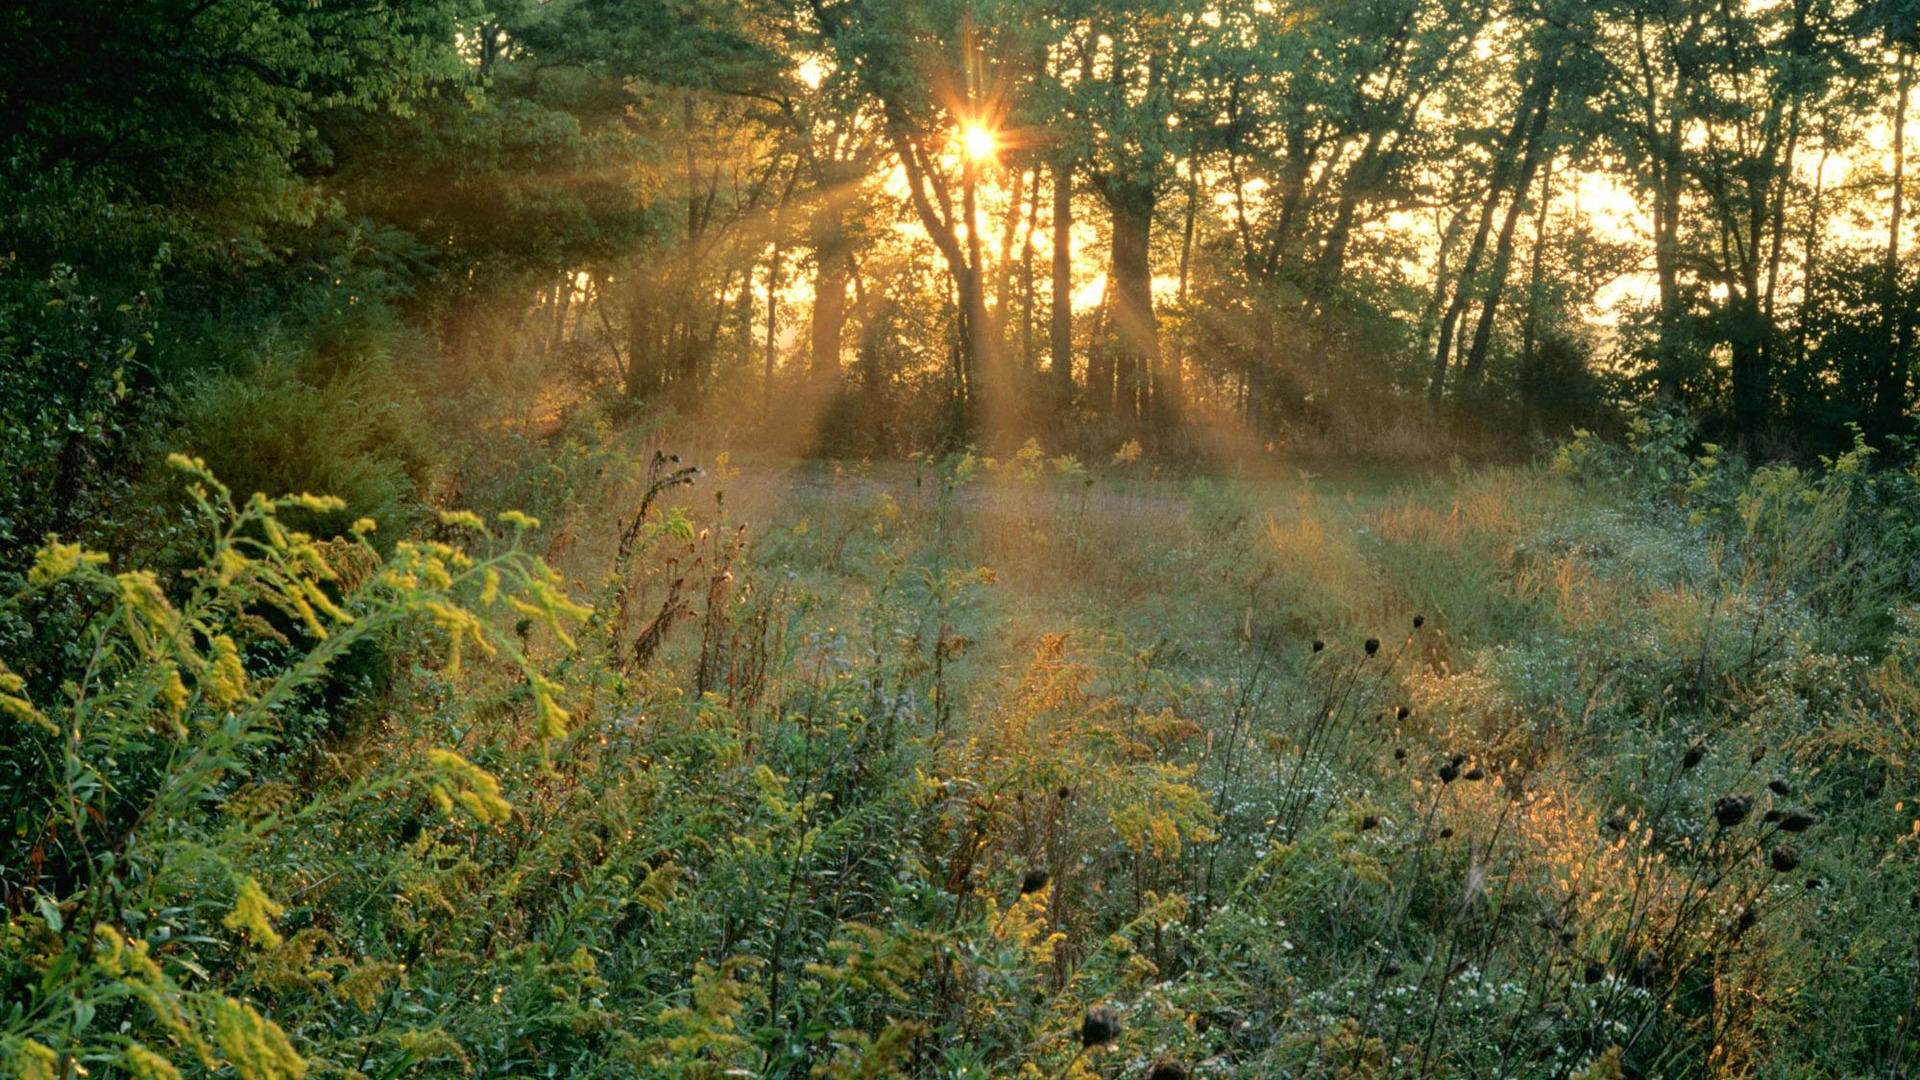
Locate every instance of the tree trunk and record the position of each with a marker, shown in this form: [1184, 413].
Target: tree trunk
[829, 297]
[1497, 184]
[1890, 382]
[1136, 336]
[1060, 322]
[1503, 250]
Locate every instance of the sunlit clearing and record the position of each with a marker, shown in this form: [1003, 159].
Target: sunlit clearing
[978, 141]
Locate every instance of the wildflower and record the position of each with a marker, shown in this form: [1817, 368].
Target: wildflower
[1780, 787]
[57, 560]
[1168, 1070]
[1785, 858]
[1694, 755]
[1101, 1025]
[253, 911]
[1419, 621]
[1731, 810]
[14, 704]
[1373, 645]
[1033, 881]
[1797, 821]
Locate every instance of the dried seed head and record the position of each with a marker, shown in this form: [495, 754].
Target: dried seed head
[1399, 753]
[1033, 881]
[1616, 823]
[1101, 1025]
[1458, 760]
[1594, 973]
[1201, 1024]
[1647, 970]
[1419, 621]
[1785, 858]
[1797, 821]
[1402, 713]
[1476, 773]
[1449, 772]
[1373, 645]
[1318, 644]
[1758, 753]
[1168, 1070]
[1446, 833]
[1064, 793]
[1731, 810]
[1780, 787]
[1772, 816]
[1389, 969]
[1368, 822]
[1694, 755]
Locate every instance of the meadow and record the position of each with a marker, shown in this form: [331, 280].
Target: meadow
[1599, 766]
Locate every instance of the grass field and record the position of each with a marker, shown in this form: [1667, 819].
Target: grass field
[980, 768]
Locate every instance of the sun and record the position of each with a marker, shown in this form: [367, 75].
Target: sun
[978, 142]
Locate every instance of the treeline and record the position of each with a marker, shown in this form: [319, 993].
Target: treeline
[875, 225]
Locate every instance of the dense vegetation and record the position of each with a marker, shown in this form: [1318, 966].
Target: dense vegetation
[788, 546]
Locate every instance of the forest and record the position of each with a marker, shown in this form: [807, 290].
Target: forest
[978, 539]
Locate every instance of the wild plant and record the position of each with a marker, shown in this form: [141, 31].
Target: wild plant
[150, 911]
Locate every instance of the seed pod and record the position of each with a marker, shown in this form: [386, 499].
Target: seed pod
[1647, 970]
[1616, 823]
[1785, 859]
[1693, 756]
[1780, 787]
[1449, 772]
[1368, 822]
[1795, 821]
[1476, 773]
[1389, 969]
[1373, 645]
[1168, 1070]
[1402, 713]
[1419, 621]
[1772, 817]
[1399, 753]
[1101, 1025]
[1594, 973]
[1318, 644]
[1065, 793]
[1033, 881]
[1446, 833]
[1731, 810]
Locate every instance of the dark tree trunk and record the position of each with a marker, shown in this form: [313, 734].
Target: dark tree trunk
[1476, 360]
[829, 298]
[1136, 338]
[1060, 323]
[1890, 378]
